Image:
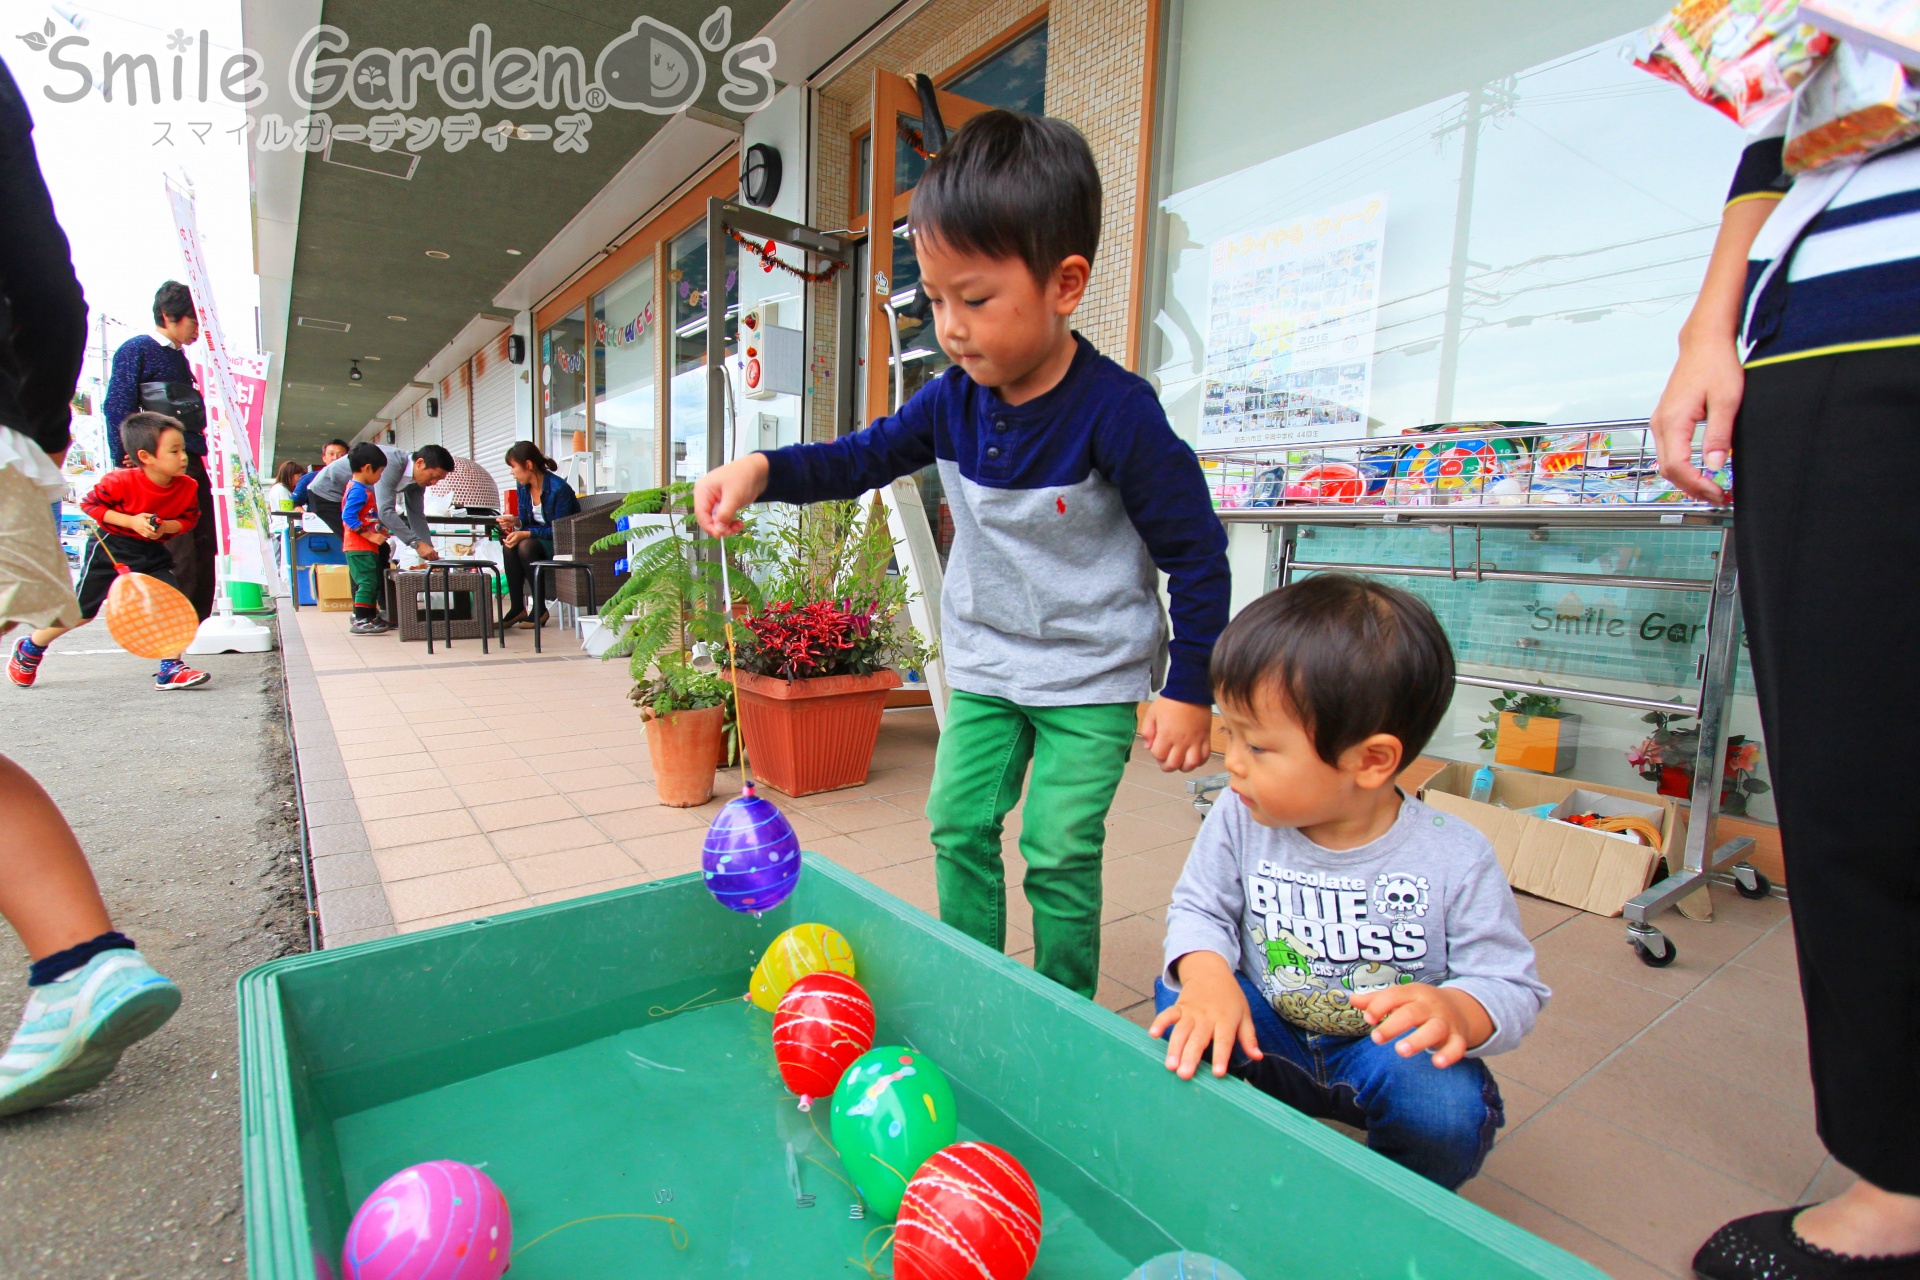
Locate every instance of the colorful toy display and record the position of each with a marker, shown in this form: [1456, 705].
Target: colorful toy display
[801, 950]
[442, 1220]
[1329, 482]
[146, 617]
[892, 1109]
[971, 1213]
[824, 1022]
[751, 855]
[1184, 1266]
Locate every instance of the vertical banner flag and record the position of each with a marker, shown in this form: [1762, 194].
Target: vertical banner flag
[233, 410]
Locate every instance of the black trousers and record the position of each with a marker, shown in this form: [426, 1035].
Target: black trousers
[194, 551]
[1828, 538]
[518, 574]
[329, 512]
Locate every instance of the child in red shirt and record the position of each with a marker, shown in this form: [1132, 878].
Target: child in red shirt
[138, 508]
[363, 538]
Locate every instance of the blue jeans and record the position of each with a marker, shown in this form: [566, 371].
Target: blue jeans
[1440, 1124]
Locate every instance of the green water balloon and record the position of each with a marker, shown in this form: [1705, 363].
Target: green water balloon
[893, 1109]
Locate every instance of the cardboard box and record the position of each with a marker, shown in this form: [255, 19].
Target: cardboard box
[1557, 861]
[333, 588]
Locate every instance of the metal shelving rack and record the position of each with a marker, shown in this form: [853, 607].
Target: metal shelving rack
[1626, 495]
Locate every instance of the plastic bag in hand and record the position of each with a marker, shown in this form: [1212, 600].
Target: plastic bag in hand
[1857, 103]
[1741, 57]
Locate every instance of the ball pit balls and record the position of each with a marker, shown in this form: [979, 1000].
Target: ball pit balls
[751, 856]
[441, 1220]
[970, 1213]
[1184, 1266]
[802, 950]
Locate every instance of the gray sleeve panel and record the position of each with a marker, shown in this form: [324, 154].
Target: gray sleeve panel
[1489, 956]
[1208, 900]
[331, 483]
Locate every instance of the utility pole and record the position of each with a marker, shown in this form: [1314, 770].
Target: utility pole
[1484, 102]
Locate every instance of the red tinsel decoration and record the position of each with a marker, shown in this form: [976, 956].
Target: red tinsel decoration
[770, 258]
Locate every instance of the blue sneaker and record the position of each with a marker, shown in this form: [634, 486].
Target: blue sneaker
[73, 1031]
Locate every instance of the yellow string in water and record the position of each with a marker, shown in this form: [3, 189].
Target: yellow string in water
[675, 1232]
[661, 1011]
[870, 1258]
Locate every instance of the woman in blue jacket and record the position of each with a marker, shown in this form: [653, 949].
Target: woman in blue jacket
[542, 498]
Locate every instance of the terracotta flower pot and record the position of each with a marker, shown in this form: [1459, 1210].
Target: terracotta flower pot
[806, 736]
[685, 746]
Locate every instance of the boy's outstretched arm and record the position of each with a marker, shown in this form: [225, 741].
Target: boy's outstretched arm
[1167, 500]
[1210, 1016]
[837, 469]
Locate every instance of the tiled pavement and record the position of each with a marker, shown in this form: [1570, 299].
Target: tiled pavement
[1649, 1105]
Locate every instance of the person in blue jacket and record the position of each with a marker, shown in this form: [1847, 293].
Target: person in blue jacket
[542, 498]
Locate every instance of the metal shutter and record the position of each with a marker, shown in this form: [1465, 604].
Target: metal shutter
[452, 422]
[494, 385]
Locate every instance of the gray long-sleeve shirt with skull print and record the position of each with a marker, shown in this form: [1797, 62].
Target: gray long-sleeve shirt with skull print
[1426, 902]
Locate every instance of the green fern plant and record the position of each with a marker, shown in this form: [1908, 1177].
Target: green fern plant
[671, 599]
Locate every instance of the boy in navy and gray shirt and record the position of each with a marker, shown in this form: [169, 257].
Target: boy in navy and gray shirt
[1070, 495]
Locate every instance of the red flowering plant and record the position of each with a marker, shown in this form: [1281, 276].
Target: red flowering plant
[833, 605]
[1667, 756]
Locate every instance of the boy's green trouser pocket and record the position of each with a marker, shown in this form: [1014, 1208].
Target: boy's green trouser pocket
[363, 568]
[1078, 756]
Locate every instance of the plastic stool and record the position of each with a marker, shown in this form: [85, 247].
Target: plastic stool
[540, 569]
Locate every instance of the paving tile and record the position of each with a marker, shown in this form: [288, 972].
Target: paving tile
[1179, 815]
[1555, 1054]
[348, 937]
[1140, 1015]
[362, 907]
[666, 852]
[856, 816]
[387, 784]
[471, 771]
[531, 811]
[1774, 953]
[483, 753]
[321, 813]
[654, 820]
[1522, 1101]
[907, 841]
[1537, 915]
[571, 868]
[1643, 1197]
[454, 891]
[501, 790]
[1706, 1040]
[1133, 951]
[559, 755]
[464, 915]
[405, 804]
[1710, 1119]
[367, 766]
[322, 790]
[607, 775]
[1498, 1198]
[1114, 995]
[346, 837]
[1604, 1005]
[588, 890]
[1139, 883]
[336, 871]
[915, 887]
[1129, 834]
[1830, 1181]
[1758, 996]
[434, 857]
[391, 833]
[1131, 798]
[614, 799]
[547, 837]
[847, 852]
[463, 742]
[1599, 943]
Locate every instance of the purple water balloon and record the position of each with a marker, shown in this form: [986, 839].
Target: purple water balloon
[751, 855]
[442, 1220]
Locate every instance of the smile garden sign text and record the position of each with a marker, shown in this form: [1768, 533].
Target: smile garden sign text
[651, 67]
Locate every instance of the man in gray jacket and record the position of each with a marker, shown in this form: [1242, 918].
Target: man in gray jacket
[400, 493]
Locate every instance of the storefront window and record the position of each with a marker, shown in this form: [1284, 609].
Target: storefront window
[624, 333]
[1450, 219]
[563, 384]
[1014, 78]
[687, 297]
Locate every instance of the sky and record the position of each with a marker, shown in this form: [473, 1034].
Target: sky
[105, 162]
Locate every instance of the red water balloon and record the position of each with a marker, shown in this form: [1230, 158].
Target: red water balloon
[970, 1213]
[821, 1024]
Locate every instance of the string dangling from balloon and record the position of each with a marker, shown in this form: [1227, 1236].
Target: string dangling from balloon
[733, 668]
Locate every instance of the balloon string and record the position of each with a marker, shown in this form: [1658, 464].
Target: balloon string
[869, 1257]
[675, 1232]
[829, 1168]
[815, 1121]
[660, 1011]
[94, 529]
[733, 663]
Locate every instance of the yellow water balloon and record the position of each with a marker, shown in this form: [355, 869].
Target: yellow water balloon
[801, 950]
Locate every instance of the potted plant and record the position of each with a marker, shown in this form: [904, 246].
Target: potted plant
[667, 615]
[817, 658]
[1530, 731]
[1666, 759]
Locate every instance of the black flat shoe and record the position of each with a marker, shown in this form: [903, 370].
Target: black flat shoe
[1763, 1246]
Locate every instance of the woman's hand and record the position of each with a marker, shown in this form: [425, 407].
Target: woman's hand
[1707, 382]
[507, 523]
[516, 537]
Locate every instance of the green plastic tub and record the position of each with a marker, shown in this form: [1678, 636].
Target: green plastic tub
[596, 1059]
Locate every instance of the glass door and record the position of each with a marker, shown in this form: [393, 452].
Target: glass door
[686, 295]
[624, 338]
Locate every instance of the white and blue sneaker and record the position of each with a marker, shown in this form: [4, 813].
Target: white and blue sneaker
[73, 1031]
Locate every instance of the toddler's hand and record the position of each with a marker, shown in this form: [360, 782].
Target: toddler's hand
[1179, 734]
[719, 494]
[1211, 1013]
[1444, 1019]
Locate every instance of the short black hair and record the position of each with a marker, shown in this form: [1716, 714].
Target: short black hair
[140, 432]
[366, 454]
[1012, 186]
[172, 301]
[339, 444]
[1349, 656]
[435, 456]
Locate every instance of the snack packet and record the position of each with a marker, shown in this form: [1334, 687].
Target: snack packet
[1857, 103]
[1743, 58]
[1891, 27]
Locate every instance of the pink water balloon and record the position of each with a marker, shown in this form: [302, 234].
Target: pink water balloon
[442, 1220]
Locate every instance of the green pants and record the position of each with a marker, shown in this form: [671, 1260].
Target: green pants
[1078, 755]
[364, 568]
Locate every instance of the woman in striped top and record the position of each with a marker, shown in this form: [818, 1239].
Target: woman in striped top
[1803, 356]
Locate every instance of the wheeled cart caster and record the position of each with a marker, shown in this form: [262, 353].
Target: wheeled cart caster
[1654, 948]
[1749, 882]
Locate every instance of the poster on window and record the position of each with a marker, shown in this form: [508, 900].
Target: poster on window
[1290, 325]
